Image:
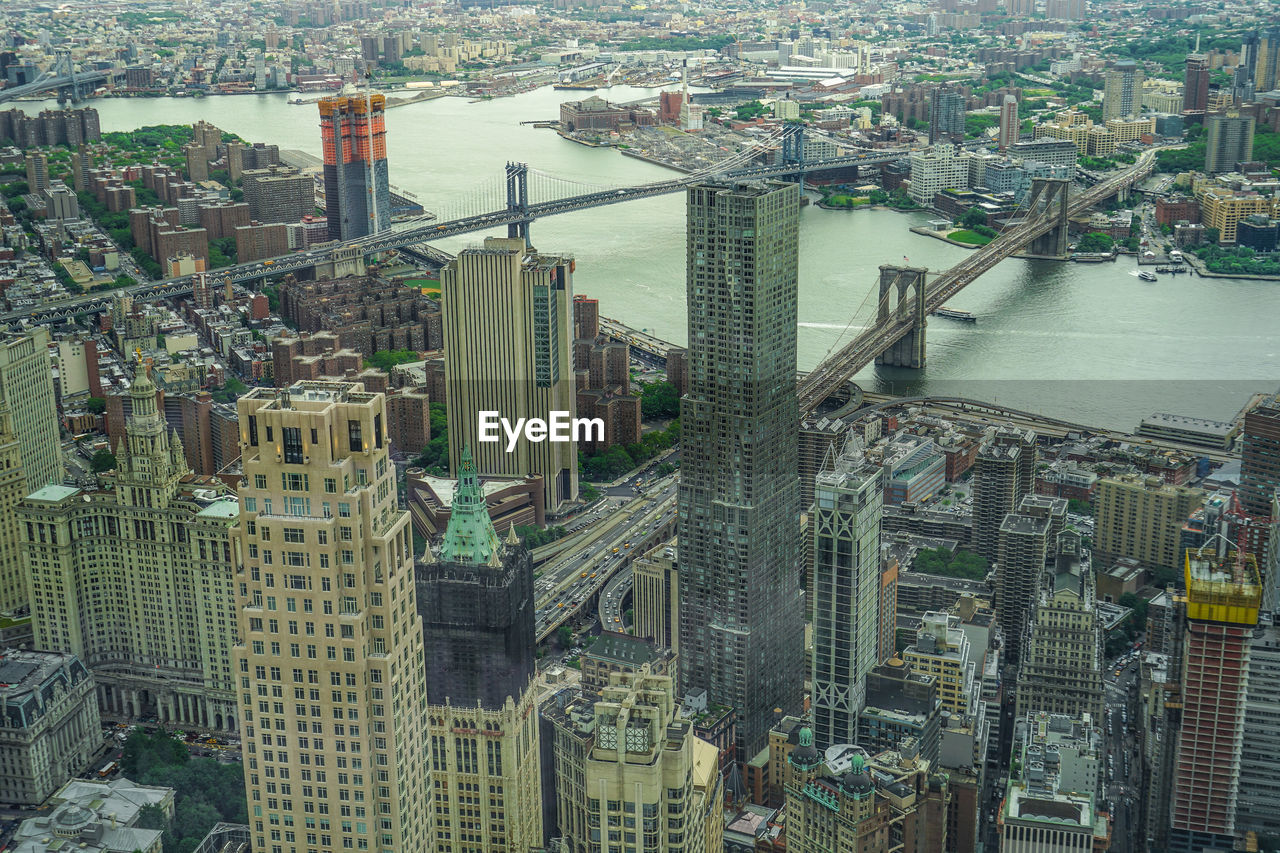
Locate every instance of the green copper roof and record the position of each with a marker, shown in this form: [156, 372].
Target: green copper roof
[470, 537]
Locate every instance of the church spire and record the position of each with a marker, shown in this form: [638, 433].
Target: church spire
[470, 537]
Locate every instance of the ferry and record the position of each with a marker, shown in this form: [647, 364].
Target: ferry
[1147, 276]
[953, 314]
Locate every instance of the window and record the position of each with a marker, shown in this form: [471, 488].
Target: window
[292, 445]
[354, 440]
[259, 481]
[377, 430]
[253, 430]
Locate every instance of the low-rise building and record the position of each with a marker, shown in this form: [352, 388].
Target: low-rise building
[49, 725]
[96, 817]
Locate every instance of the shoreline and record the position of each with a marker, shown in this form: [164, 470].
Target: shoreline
[938, 235]
[1198, 266]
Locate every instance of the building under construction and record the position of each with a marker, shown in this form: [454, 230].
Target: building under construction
[357, 188]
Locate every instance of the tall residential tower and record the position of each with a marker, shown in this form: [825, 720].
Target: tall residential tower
[741, 608]
[357, 190]
[330, 661]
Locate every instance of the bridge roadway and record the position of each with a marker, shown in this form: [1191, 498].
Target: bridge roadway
[839, 368]
[410, 238]
[52, 84]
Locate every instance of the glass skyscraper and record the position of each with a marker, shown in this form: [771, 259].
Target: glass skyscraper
[741, 608]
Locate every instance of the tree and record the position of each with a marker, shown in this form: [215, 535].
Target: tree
[565, 635]
[388, 359]
[659, 400]
[973, 217]
[1079, 507]
[96, 405]
[103, 460]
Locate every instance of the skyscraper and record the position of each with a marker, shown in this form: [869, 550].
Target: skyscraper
[30, 447]
[357, 192]
[1122, 90]
[1009, 127]
[475, 597]
[1061, 672]
[331, 662]
[506, 298]
[946, 116]
[1258, 808]
[1260, 471]
[137, 580]
[1223, 594]
[846, 589]
[1195, 87]
[1228, 140]
[741, 608]
[1265, 76]
[1026, 537]
[1003, 473]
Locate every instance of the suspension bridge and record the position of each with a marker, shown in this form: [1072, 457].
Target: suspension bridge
[896, 337]
[63, 78]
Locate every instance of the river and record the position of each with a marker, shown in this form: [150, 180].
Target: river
[1088, 342]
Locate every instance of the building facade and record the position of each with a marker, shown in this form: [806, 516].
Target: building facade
[330, 660]
[136, 578]
[741, 608]
[1223, 594]
[49, 724]
[507, 298]
[357, 191]
[845, 526]
[1003, 472]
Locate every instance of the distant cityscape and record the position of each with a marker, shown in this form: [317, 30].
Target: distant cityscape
[268, 584]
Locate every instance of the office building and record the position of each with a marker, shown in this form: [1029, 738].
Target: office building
[94, 816]
[1141, 518]
[1061, 671]
[1195, 87]
[475, 598]
[1223, 594]
[26, 389]
[845, 525]
[357, 193]
[941, 649]
[628, 765]
[1258, 803]
[900, 704]
[1010, 126]
[1024, 544]
[137, 578]
[279, 193]
[655, 596]
[935, 169]
[49, 725]
[1122, 90]
[13, 488]
[869, 804]
[1228, 141]
[946, 116]
[507, 298]
[1260, 466]
[330, 652]
[741, 608]
[1051, 805]
[1003, 472]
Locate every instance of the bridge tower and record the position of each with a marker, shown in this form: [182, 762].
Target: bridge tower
[64, 67]
[793, 144]
[518, 199]
[1049, 199]
[910, 285]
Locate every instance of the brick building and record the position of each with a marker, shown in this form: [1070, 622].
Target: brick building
[373, 314]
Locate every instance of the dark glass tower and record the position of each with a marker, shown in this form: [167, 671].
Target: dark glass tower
[741, 609]
[475, 598]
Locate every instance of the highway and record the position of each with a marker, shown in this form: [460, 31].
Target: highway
[1122, 767]
[611, 613]
[571, 582]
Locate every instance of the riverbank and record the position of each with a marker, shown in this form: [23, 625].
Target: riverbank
[1203, 272]
[926, 231]
[631, 152]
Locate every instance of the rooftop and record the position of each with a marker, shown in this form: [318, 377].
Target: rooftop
[52, 493]
[1165, 419]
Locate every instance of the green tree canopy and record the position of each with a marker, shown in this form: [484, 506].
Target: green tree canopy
[103, 460]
